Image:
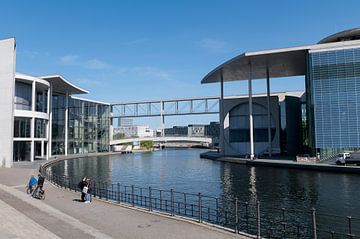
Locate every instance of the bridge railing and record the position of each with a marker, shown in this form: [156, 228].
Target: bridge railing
[253, 218]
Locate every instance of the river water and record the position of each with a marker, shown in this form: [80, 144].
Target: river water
[184, 171]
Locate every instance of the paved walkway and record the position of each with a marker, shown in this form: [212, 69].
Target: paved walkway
[61, 216]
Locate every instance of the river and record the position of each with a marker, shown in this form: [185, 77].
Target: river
[184, 171]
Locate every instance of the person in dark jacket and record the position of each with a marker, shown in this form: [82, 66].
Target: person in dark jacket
[81, 185]
[40, 184]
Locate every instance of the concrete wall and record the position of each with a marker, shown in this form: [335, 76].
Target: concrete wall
[7, 88]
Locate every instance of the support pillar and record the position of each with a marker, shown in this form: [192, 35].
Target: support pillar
[66, 121]
[251, 121]
[49, 125]
[268, 110]
[32, 132]
[162, 118]
[221, 120]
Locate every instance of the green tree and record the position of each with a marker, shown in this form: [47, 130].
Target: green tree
[148, 144]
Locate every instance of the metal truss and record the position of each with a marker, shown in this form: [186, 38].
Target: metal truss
[186, 106]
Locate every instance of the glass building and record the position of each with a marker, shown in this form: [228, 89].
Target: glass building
[331, 71]
[50, 121]
[334, 77]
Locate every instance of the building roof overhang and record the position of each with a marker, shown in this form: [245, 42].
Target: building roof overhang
[284, 62]
[61, 86]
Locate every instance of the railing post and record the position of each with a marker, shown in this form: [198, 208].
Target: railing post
[236, 216]
[313, 213]
[258, 219]
[160, 199]
[200, 207]
[217, 210]
[94, 188]
[118, 192]
[150, 206]
[283, 222]
[185, 204]
[100, 190]
[247, 216]
[172, 202]
[132, 195]
[106, 192]
[350, 231]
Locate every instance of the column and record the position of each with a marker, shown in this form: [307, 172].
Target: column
[49, 125]
[251, 122]
[221, 120]
[268, 110]
[32, 132]
[162, 118]
[66, 121]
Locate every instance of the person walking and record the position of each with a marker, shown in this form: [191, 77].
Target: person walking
[40, 184]
[88, 191]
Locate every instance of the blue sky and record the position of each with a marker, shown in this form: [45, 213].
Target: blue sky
[139, 50]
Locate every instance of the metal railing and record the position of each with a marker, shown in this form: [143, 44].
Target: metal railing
[252, 218]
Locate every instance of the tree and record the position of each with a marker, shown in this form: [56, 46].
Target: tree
[148, 144]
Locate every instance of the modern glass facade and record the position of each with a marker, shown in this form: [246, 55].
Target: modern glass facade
[335, 100]
[58, 125]
[88, 126]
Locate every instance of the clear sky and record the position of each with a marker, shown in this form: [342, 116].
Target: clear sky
[140, 50]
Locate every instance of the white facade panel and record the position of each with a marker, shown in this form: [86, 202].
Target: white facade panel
[7, 83]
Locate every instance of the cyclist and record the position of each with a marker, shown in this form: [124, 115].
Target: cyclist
[40, 184]
[31, 184]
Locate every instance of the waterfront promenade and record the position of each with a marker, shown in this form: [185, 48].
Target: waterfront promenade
[61, 216]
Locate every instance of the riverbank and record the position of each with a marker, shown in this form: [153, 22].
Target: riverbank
[281, 163]
[60, 215]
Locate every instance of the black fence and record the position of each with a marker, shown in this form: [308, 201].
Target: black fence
[252, 218]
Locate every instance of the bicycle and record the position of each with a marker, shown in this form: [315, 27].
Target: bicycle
[39, 194]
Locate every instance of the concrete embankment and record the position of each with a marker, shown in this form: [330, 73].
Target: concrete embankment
[280, 163]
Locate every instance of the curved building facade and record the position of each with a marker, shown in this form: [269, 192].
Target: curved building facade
[41, 117]
[331, 113]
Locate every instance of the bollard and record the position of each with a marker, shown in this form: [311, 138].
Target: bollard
[172, 201]
[132, 195]
[236, 216]
[258, 219]
[150, 206]
[350, 231]
[313, 213]
[200, 206]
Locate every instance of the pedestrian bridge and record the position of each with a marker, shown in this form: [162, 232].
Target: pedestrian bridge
[163, 140]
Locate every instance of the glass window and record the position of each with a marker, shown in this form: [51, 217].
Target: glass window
[22, 151]
[40, 128]
[22, 127]
[23, 99]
